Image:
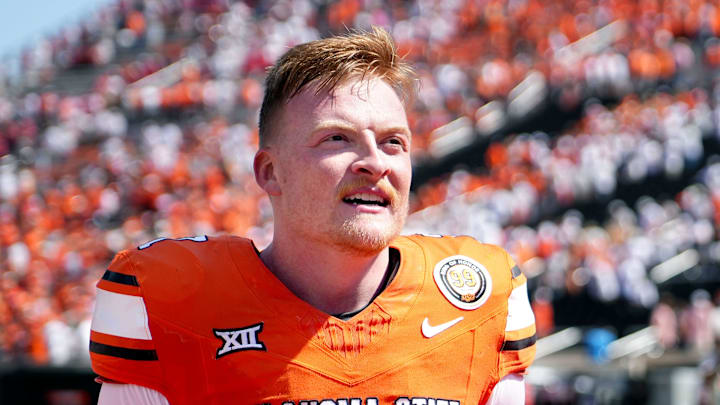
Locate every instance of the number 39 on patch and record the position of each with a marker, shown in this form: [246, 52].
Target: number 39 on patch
[463, 281]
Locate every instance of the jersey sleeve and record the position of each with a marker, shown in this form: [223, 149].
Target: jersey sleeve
[129, 394]
[121, 345]
[518, 349]
[510, 390]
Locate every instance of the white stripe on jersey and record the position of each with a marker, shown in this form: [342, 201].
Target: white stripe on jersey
[520, 315]
[120, 315]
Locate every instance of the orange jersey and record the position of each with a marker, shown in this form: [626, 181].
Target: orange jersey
[203, 321]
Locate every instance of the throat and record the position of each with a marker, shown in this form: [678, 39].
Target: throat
[330, 280]
[390, 273]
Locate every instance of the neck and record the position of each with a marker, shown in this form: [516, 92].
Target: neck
[329, 279]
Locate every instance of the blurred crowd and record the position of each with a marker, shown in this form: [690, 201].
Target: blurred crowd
[658, 137]
[157, 139]
[695, 324]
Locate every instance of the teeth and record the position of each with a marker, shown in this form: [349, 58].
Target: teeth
[367, 197]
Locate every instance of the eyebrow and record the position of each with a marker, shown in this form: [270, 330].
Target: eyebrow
[342, 125]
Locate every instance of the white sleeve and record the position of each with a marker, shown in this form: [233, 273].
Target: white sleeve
[129, 394]
[510, 390]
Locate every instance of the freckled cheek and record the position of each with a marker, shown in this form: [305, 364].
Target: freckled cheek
[402, 174]
[332, 168]
[322, 178]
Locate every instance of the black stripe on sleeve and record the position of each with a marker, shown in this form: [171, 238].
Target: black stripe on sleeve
[120, 278]
[519, 344]
[516, 272]
[123, 352]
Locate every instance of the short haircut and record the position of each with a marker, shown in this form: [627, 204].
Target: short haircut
[327, 62]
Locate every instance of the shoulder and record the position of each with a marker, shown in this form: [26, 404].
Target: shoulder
[178, 251]
[171, 266]
[452, 259]
[451, 242]
[164, 250]
[444, 246]
[163, 253]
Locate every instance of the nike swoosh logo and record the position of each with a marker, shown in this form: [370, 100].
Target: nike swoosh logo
[429, 331]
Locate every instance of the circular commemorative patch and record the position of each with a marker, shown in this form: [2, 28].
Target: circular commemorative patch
[463, 281]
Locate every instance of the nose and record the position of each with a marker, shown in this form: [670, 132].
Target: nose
[371, 161]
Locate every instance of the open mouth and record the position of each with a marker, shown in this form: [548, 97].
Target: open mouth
[366, 199]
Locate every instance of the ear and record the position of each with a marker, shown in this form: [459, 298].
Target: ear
[265, 174]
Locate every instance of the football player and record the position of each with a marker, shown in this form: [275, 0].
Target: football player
[338, 309]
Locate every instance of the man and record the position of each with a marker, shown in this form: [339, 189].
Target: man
[338, 309]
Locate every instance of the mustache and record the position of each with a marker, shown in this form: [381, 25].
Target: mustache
[384, 185]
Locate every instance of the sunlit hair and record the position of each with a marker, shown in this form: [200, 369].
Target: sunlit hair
[325, 63]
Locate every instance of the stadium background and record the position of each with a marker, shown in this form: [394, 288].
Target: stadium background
[583, 136]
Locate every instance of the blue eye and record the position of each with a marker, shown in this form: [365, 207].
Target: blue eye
[396, 142]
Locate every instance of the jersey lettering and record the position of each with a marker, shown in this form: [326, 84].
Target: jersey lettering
[374, 401]
[339, 401]
[425, 401]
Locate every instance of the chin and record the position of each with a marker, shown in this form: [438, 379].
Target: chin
[366, 238]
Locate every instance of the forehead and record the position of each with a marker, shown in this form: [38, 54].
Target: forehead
[364, 104]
